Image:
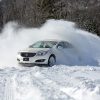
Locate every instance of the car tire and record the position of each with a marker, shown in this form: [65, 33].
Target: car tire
[51, 61]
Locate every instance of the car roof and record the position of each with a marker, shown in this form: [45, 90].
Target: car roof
[56, 40]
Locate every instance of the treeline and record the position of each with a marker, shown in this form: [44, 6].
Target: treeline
[33, 13]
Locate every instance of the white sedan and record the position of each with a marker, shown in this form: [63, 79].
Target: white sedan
[43, 52]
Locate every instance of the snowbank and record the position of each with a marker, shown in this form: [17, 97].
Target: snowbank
[55, 83]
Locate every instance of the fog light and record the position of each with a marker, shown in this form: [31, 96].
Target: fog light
[40, 60]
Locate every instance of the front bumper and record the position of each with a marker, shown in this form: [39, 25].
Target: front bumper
[34, 60]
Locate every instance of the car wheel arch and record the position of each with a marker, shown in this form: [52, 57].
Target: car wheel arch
[53, 56]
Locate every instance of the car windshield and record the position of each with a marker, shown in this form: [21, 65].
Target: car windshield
[43, 44]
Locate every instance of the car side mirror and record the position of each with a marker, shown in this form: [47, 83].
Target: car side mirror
[59, 47]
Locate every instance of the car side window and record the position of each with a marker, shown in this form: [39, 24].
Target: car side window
[67, 45]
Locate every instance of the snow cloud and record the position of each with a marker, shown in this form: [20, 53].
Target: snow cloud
[14, 38]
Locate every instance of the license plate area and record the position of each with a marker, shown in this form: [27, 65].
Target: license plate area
[25, 59]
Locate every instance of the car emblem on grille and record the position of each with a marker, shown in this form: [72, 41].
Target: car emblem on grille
[26, 54]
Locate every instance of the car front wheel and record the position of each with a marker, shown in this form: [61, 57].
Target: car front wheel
[51, 61]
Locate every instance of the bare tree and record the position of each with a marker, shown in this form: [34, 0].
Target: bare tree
[86, 13]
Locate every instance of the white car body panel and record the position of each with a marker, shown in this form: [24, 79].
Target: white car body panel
[58, 52]
[33, 59]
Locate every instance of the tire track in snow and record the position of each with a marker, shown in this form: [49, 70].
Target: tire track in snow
[52, 82]
[74, 80]
[49, 88]
[8, 94]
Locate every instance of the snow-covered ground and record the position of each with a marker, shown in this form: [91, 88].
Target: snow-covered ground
[73, 80]
[53, 83]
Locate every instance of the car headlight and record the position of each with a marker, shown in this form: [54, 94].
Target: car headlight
[41, 53]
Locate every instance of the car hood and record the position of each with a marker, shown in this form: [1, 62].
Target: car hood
[35, 49]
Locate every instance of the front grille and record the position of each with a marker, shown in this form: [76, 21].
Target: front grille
[27, 54]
